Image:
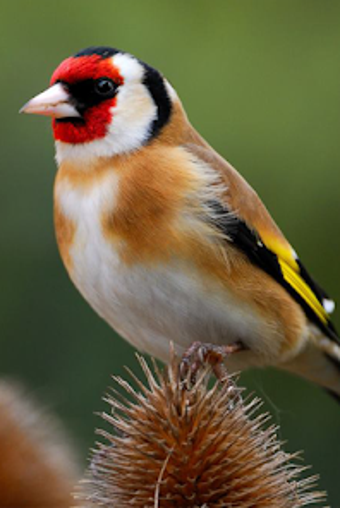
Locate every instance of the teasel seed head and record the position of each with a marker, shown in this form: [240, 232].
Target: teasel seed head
[183, 445]
[37, 463]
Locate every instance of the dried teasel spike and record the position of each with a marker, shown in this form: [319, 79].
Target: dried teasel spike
[189, 445]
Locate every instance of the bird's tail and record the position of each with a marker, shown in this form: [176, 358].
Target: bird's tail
[319, 362]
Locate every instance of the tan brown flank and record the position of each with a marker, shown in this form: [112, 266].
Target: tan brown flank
[65, 230]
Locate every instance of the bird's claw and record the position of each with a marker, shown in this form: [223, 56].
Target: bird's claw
[199, 354]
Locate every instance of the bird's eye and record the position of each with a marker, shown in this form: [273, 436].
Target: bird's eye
[105, 87]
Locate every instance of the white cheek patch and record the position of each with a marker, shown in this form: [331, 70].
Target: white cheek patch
[132, 118]
[129, 67]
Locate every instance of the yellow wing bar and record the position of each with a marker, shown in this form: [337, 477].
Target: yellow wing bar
[272, 252]
[290, 268]
[301, 287]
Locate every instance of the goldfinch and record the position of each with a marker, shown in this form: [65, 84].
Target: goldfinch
[163, 237]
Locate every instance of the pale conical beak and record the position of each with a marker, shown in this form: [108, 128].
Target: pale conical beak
[54, 102]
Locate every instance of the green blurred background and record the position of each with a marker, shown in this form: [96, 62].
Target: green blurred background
[261, 81]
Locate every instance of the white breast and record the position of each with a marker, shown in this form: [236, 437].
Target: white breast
[150, 306]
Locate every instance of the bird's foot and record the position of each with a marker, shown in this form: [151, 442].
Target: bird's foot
[200, 354]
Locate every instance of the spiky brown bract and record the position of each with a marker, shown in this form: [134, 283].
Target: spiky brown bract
[175, 446]
[37, 467]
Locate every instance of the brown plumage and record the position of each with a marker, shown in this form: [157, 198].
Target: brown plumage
[175, 446]
[147, 221]
[65, 230]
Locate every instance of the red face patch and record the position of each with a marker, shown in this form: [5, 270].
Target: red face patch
[96, 119]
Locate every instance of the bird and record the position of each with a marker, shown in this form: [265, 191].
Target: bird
[165, 240]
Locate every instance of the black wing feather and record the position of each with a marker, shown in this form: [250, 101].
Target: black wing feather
[250, 243]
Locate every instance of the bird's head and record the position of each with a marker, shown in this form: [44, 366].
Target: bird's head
[104, 102]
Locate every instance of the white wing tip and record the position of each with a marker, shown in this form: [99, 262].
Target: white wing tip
[328, 305]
